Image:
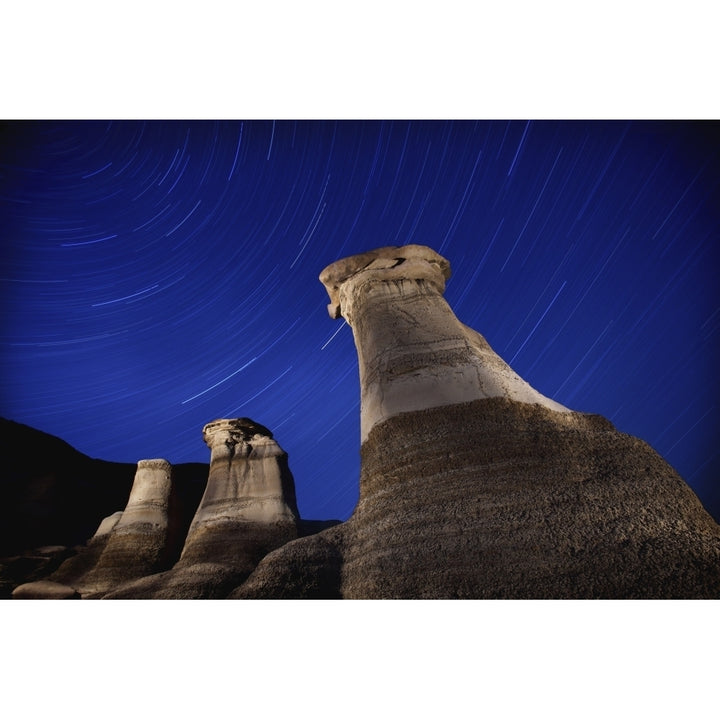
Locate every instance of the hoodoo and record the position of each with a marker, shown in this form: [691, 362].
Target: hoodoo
[129, 544]
[247, 510]
[140, 542]
[472, 485]
[413, 352]
[249, 504]
[475, 485]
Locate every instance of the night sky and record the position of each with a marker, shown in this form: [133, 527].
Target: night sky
[159, 275]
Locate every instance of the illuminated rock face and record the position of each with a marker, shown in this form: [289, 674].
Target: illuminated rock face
[249, 488]
[413, 352]
[474, 485]
[248, 476]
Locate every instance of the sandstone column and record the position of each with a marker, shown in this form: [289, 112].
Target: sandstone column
[139, 541]
[249, 504]
[147, 506]
[413, 352]
[472, 483]
[139, 544]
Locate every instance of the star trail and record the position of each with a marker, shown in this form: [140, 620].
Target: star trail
[159, 275]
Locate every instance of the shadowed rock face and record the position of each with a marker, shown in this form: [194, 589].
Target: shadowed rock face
[51, 494]
[473, 484]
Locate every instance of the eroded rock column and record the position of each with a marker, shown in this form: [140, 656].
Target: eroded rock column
[474, 485]
[413, 352]
[140, 542]
[249, 504]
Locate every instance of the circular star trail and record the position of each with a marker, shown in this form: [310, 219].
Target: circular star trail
[159, 275]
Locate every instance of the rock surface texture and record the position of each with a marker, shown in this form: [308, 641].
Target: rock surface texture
[473, 484]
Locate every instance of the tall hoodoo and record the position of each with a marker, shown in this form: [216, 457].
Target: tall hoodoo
[139, 543]
[413, 352]
[472, 483]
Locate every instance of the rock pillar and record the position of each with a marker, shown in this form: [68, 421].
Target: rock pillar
[139, 541]
[147, 507]
[413, 352]
[472, 483]
[249, 504]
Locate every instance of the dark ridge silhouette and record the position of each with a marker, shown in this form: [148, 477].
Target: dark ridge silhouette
[52, 494]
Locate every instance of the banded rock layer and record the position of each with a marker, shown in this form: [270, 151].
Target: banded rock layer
[473, 484]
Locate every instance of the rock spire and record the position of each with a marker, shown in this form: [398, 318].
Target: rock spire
[413, 352]
[249, 486]
[130, 544]
[472, 483]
